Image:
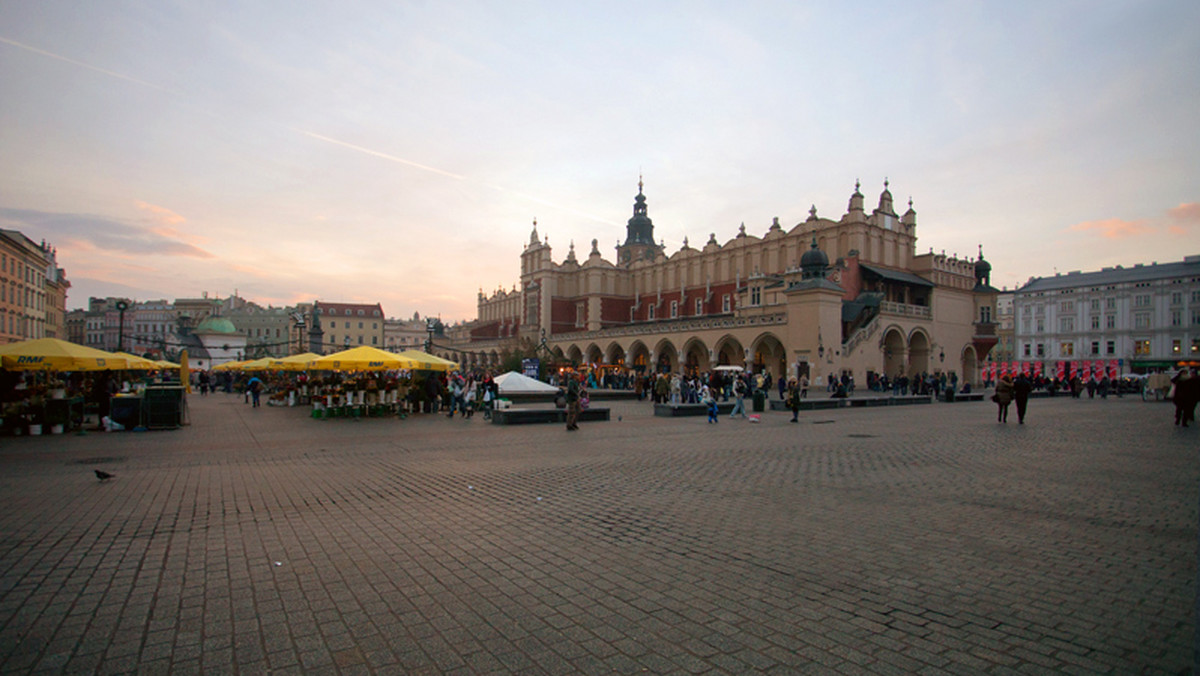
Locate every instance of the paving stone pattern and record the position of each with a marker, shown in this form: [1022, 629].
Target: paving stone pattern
[895, 540]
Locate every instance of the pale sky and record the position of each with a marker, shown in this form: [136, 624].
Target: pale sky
[398, 152]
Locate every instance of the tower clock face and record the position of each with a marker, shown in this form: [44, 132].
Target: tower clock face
[836, 276]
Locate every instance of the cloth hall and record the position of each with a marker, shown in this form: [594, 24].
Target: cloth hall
[818, 297]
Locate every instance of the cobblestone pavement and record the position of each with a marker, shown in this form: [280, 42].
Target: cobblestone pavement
[902, 540]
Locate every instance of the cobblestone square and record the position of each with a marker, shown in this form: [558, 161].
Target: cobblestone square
[891, 540]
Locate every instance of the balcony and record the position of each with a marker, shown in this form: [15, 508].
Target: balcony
[905, 310]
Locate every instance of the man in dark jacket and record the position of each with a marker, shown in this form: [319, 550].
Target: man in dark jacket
[1021, 389]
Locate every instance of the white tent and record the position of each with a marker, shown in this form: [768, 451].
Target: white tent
[515, 383]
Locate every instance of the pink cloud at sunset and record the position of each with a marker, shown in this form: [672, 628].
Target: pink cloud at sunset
[1114, 228]
[1183, 217]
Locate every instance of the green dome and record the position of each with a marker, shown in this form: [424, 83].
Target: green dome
[216, 325]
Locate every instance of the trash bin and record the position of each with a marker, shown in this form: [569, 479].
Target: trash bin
[760, 401]
[950, 395]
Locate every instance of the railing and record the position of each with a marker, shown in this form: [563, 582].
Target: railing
[863, 333]
[985, 328]
[905, 310]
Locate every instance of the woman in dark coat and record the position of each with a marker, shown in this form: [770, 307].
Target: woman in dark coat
[1003, 397]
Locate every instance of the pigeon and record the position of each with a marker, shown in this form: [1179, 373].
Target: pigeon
[102, 475]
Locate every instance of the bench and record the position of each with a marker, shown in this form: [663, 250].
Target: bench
[680, 410]
[959, 396]
[527, 416]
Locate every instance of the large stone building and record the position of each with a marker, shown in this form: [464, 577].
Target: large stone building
[1144, 317]
[821, 297]
[339, 326]
[33, 290]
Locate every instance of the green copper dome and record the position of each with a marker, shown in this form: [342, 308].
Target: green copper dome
[216, 325]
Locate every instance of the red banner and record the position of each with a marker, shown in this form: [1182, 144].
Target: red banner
[1113, 369]
[1060, 369]
[1037, 369]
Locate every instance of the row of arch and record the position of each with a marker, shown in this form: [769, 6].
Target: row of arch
[909, 352]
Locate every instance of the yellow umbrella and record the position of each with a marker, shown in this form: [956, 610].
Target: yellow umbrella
[228, 366]
[164, 364]
[296, 362]
[52, 354]
[364, 358]
[429, 362]
[255, 364]
[137, 363]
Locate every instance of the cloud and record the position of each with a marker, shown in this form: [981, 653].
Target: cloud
[95, 232]
[1115, 228]
[161, 214]
[1182, 217]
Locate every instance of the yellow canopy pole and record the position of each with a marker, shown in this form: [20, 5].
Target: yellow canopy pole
[184, 377]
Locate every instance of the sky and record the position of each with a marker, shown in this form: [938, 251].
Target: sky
[399, 152]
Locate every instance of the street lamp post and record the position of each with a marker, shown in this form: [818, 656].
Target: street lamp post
[122, 306]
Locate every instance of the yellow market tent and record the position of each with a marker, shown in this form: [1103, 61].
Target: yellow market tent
[255, 365]
[228, 366]
[429, 362]
[364, 358]
[52, 354]
[296, 362]
[137, 363]
[164, 364]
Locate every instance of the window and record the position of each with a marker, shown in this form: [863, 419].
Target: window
[755, 295]
[1067, 306]
[985, 314]
[1095, 322]
[1095, 347]
[1176, 346]
[1195, 346]
[725, 303]
[1066, 324]
[1026, 349]
[674, 309]
[374, 340]
[360, 313]
[1110, 303]
[1141, 347]
[360, 339]
[360, 325]
[699, 307]
[1041, 326]
[1094, 306]
[1111, 347]
[1110, 322]
[1141, 320]
[332, 338]
[1066, 349]
[1176, 298]
[1041, 350]
[651, 311]
[1195, 317]
[1141, 300]
[1176, 317]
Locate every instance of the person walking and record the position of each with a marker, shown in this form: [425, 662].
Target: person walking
[793, 399]
[255, 387]
[1003, 397]
[739, 397]
[1021, 389]
[1187, 390]
[710, 401]
[573, 395]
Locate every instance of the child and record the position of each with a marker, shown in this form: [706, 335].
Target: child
[709, 400]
